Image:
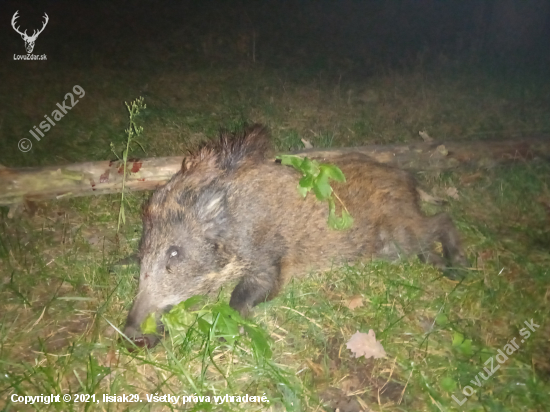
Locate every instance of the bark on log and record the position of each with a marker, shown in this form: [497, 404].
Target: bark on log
[84, 179]
[93, 178]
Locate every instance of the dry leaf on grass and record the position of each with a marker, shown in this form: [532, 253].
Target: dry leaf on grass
[307, 144]
[112, 357]
[315, 368]
[441, 150]
[425, 136]
[467, 179]
[452, 192]
[365, 344]
[428, 198]
[355, 301]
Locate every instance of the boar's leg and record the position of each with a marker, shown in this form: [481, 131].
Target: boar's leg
[448, 236]
[443, 230]
[259, 285]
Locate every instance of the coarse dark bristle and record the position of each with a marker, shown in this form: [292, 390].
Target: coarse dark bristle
[231, 148]
[210, 162]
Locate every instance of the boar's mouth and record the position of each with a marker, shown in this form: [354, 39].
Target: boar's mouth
[139, 312]
[143, 341]
[135, 339]
[133, 333]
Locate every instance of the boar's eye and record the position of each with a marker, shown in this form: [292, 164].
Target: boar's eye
[174, 252]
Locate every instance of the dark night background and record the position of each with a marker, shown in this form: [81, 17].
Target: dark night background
[120, 50]
[360, 36]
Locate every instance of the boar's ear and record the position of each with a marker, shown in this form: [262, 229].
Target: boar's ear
[212, 212]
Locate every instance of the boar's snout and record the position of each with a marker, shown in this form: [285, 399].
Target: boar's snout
[139, 312]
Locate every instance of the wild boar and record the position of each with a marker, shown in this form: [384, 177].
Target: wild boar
[232, 214]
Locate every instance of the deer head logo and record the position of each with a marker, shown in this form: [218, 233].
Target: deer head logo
[29, 40]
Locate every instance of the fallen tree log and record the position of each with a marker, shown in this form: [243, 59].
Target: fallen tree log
[95, 178]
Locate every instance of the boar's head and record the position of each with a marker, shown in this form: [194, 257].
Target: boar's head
[185, 247]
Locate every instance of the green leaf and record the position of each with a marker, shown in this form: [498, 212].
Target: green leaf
[333, 172]
[260, 341]
[302, 190]
[227, 329]
[441, 319]
[204, 326]
[466, 347]
[316, 177]
[448, 384]
[485, 354]
[321, 187]
[95, 373]
[309, 167]
[305, 185]
[122, 215]
[149, 325]
[227, 325]
[333, 221]
[226, 310]
[340, 223]
[179, 318]
[458, 338]
[331, 207]
[347, 220]
[192, 301]
[306, 182]
[461, 344]
[291, 160]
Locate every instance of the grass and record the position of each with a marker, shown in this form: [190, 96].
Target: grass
[61, 301]
[186, 108]
[61, 305]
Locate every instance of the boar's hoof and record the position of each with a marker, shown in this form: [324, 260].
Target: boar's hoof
[456, 274]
